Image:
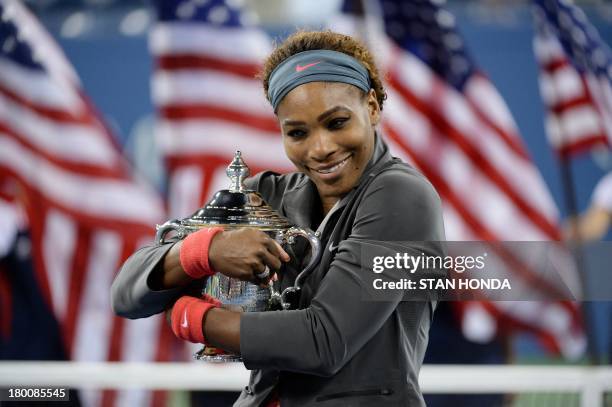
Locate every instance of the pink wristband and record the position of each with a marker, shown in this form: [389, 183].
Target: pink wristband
[188, 317]
[194, 253]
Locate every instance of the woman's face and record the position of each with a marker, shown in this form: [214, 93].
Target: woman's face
[328, 133]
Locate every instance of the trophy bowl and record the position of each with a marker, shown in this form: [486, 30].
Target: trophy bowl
[239, 207]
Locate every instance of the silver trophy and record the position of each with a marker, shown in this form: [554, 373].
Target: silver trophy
[238, 207]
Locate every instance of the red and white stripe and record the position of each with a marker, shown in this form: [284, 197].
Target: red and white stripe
[579, 106]
[85, 210]
[467, 144]
[210, 105]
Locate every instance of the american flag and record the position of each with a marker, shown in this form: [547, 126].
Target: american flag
[575, 74]
[60, 166]
[208, 99]
[445, 117]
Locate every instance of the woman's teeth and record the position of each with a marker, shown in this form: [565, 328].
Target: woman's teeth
[334, 168]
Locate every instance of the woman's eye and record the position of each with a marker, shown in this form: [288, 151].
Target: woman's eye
[296, 133]
[337, 123]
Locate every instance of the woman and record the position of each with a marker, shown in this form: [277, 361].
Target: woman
[336, 348]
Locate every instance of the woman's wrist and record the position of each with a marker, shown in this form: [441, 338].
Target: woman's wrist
[194, 253]
[221, 328]
[188, 316]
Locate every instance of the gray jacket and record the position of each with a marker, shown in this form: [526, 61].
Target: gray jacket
[338, 348]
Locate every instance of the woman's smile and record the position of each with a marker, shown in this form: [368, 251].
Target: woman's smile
[329, 172]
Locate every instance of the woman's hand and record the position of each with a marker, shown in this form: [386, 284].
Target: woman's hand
[244, 253]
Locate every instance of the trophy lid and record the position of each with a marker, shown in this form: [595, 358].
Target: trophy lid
[237, 206]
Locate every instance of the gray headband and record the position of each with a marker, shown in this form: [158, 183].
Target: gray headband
[319, 65]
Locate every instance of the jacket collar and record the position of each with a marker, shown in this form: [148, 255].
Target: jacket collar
[299, 202]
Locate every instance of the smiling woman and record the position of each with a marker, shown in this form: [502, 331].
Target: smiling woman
[337, 347]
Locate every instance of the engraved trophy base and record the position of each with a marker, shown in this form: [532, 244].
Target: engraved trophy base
[214, 355]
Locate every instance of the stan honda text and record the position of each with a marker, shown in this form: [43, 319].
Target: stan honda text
[443, 284]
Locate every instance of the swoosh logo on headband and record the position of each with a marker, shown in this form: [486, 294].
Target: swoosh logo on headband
[299, 68]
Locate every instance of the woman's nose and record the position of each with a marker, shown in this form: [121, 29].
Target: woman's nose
[321, 146]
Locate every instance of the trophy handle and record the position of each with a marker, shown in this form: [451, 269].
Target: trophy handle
[162, 230]
[315, 246]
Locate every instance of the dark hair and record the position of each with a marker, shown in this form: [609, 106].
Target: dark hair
[312, 40]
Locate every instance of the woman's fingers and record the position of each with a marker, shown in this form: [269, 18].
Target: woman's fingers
[270, 260]
[276, 249]
[284, 255]
[262, 275]
[244, 253]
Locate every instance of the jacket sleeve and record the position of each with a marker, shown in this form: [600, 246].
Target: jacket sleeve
[131, 294]
[322, 338]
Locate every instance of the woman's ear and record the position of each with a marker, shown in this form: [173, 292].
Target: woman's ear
[373, 108]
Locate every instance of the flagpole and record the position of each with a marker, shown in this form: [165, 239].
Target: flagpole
[571, 205]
